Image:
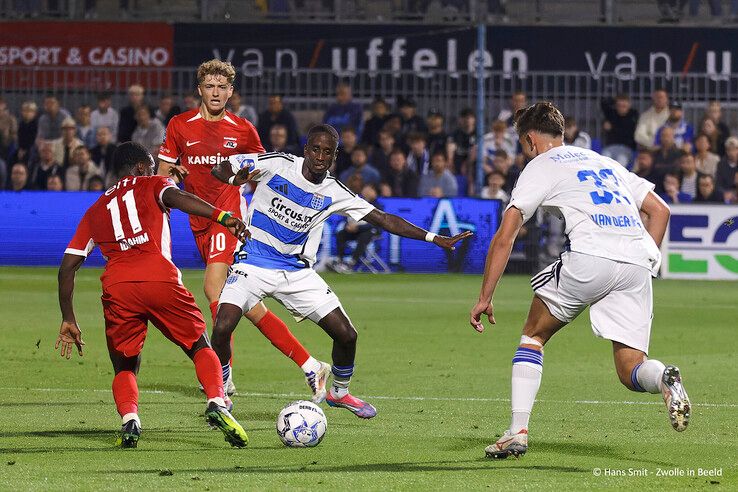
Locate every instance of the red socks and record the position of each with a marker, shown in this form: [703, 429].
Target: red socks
[209, 372]
[281, 337]
[214, 312]
[125, 392]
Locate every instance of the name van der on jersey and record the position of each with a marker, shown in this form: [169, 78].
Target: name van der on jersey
[125, 56]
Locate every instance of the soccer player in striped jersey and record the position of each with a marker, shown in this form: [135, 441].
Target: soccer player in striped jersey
[294, 198]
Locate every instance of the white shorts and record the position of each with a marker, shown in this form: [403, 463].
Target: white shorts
[302, 292]
[619, 295]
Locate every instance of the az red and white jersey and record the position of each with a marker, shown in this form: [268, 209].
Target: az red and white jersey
[200, 145]
[130, 224]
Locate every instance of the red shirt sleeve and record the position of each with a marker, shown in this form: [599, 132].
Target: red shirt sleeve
[82, 243]
[169, 150]
[253, 142]
[159, 184]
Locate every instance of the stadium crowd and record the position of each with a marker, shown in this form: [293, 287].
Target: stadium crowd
[396, 151]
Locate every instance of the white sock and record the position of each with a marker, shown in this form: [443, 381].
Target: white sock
[218, 401]
[130, 416]
[649, 374]
[525, 383]
[310, 365]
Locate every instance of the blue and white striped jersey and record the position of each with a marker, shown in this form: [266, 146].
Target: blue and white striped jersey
[287, 212]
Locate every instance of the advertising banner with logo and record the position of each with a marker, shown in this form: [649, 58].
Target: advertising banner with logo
[701, 243]
[57, 215]
[75, 54]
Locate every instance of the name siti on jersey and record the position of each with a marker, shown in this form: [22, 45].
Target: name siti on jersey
[287, 212]
[130, 225]
[598, 198]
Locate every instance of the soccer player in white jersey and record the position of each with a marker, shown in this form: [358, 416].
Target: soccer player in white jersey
[607, 265]
[293, 200]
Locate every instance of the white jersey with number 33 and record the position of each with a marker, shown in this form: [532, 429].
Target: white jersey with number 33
[598, 199]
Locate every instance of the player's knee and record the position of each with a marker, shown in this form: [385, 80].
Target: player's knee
[349, 335]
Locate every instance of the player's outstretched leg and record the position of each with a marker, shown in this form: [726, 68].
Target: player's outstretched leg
[225, 324]
[219, 416]
[274, 329]
[344, 336]
[125, 394]
[638, 373]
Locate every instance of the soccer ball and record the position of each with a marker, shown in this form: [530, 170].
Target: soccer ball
[301, 424]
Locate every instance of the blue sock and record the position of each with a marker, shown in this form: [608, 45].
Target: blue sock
[226, 373]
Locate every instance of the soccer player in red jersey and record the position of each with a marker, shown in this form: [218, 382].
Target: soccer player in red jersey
[200, 139]
[130, 225]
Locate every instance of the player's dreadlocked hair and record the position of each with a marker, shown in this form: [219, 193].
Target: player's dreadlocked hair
[322, 128]
[216, 67]
[541, 117]
[127, 155]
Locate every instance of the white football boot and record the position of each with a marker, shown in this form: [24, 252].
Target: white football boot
[675, 398]
[317, 382]
[508, 445]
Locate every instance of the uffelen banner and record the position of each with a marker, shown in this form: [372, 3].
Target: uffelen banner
[701, 243]
[36, 227]
[79, 54]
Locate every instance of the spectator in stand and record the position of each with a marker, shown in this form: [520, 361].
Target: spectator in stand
[495, 189]
[277, 114]
[50, 122]
[463, 141]
[393, 124]
[27, 131]
[399, 180]
[497, 139]
[644, 168]
[715, 114]
[344, 112]
[518, 100]
[688, 175]
[81, 170]
[105, 115]
[620, 122]
[45, 167]
[18, 177]
[149, 131]
[96, 183]
[362, 232]
[372, 126]
[102, 154]
[437, 138]
[191, 101]
[731, 196]
[166, 110]
[707, 162]
[668, 152]
[54, 183]
[727, 167]
[717, 143]
[349, 140]
[411, 122]
[439, 182]
[360, 165]
[503, 163]
[3, 173]
[574, 136]
[242, 110]
[128, 119]
[8, 130]
[278, 141]
[652, 119]
[672, 193]
[64, 146]
[85, 131]
[683, 131]
[418, 159]
[381, 153]
[706, 192]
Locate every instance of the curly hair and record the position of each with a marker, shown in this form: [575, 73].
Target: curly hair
[216, 67]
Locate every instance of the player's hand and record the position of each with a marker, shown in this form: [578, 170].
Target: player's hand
[475, 319]
[179, 173]
[69, 334]
[243, 176]
[237, 228]
[446, 242]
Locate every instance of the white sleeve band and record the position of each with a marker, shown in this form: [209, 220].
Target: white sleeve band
[429, 237]
[230, 180]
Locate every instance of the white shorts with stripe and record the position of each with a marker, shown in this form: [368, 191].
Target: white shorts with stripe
[303, 292]
[619, 295]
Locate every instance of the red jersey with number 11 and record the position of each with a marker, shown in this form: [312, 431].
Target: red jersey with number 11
[130, 224]
[200, 145]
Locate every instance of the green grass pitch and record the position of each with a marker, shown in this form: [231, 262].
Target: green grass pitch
[441, 390]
